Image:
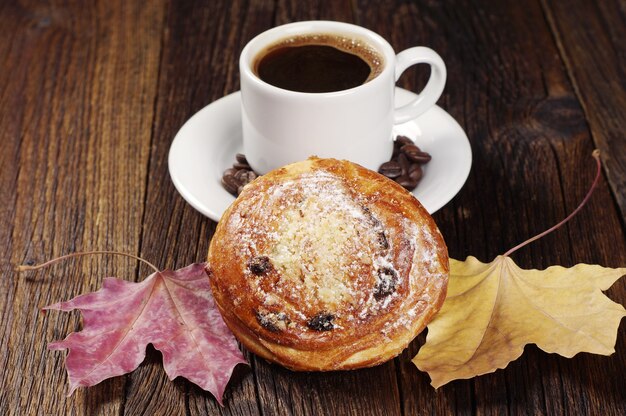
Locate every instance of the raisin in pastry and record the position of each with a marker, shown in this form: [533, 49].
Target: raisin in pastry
[325, 265]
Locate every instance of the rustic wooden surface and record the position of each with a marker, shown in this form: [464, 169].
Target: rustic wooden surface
[92, 93]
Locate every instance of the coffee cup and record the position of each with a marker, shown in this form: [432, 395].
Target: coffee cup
[283, 121]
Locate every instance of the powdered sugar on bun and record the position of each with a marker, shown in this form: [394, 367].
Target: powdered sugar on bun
[325, 265]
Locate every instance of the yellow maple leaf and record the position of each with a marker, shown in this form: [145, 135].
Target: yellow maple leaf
[494, 309]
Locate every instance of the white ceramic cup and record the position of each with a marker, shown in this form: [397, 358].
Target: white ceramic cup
[282, 126]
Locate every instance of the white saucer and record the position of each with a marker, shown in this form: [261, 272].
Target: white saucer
[206, 145]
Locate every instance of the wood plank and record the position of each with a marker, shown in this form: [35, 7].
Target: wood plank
[532, 166]
[77, 91]
[12, 121]
[288, 11]
[199, 64]
[591, 37]
[92, 95]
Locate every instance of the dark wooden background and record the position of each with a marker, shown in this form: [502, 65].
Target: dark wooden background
[93, 92]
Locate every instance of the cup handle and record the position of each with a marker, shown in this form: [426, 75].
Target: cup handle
[434, 87]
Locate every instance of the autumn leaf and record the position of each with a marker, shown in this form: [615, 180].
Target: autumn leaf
[172, 310]
[493, 310]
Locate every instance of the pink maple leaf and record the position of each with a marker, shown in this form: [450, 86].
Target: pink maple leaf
[172, 310]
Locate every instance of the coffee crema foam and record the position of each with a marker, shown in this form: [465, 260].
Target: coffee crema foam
[360, 48]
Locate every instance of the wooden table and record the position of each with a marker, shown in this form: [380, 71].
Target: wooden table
[91, 96]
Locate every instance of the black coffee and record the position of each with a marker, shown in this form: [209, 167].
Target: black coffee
[317, 63]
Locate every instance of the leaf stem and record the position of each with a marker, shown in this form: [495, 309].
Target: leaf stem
[596, 156]
[24, 267]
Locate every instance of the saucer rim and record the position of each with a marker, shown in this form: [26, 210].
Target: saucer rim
[210, 213]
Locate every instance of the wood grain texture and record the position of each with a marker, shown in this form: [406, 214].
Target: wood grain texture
[591, 38]
[532, 150]
[200, 48]
[78, 87]
[91, 96]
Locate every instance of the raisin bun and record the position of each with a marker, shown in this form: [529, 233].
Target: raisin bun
[325, 265]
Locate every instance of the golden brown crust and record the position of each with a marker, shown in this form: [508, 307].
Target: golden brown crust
[325, 265]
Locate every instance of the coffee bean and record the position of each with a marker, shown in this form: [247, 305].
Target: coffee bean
[230, 184]
[420, 157]
[406, 182]
[239, 165]
[396, 151]
[239, 174]
[402, 140]
[416, 172]
[235, 178]
[230, 172]
[396, 148]
[408, 149]
[414, 154]
[250, 176]
[404, 164]
[390, 169]
[241, 158]
[245, 176]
